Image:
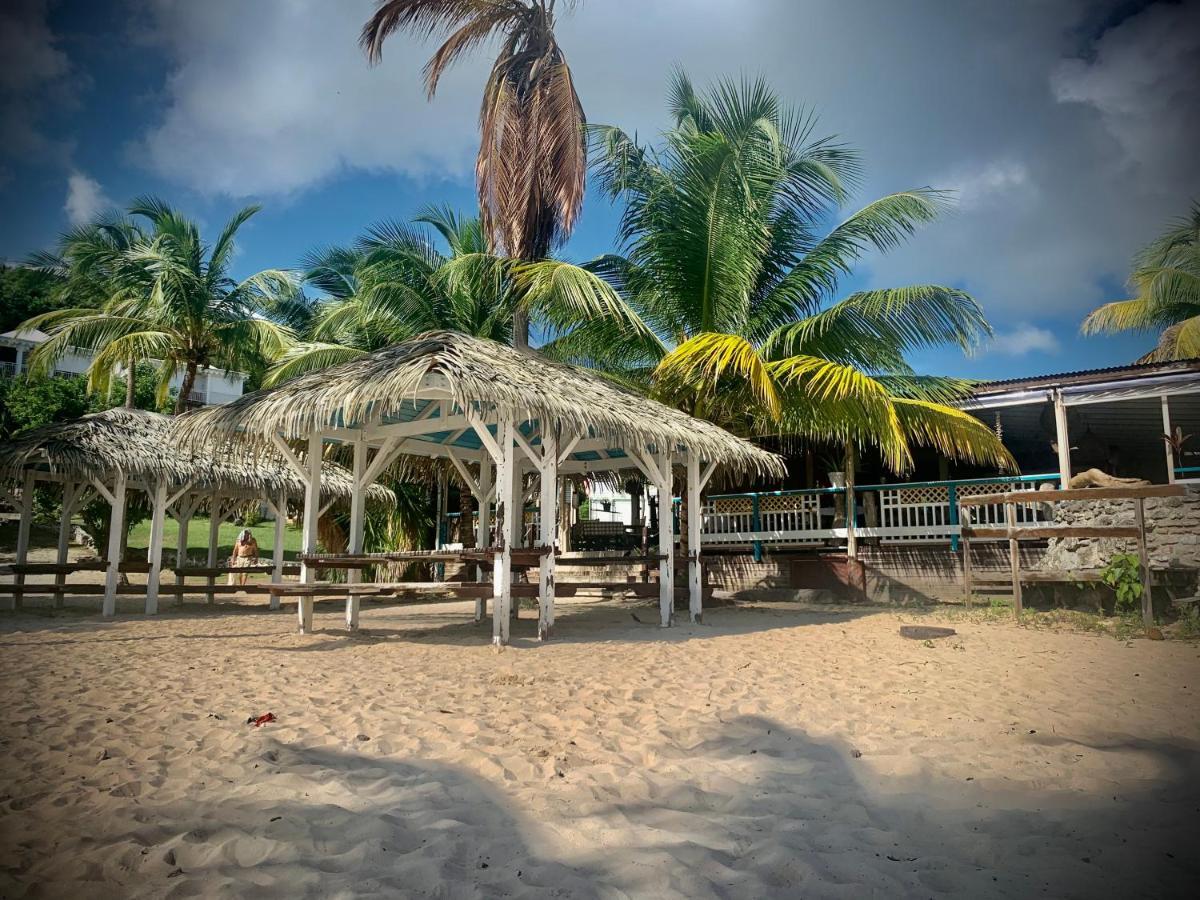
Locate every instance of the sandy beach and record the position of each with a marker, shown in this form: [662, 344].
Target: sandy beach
[772, 751]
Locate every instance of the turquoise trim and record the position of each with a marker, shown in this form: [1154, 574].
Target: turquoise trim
[1000, 479]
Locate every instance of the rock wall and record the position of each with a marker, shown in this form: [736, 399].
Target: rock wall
[1172, 533]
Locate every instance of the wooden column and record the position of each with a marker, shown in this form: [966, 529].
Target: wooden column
[277, 547]
[312, 506]
[358, 493]
[1139, 513]
[154, 555]
[851, 505]
[483, 526]
[216, 515]
[1063, 439]
[695, 523]
[1166, 419]
[666, 541]
[312, 514]
[71, 492]
[518, 510]
[24, 528]
[502, 566]
[187, 506]
[547, 504]
[116, 532]
[1014, 556]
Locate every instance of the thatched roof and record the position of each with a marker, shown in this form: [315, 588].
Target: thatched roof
[396, 384]
[142, 445]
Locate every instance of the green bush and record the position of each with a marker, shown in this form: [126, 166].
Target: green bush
[1124, 575]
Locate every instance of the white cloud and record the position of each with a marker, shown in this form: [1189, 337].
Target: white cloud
[85, 199]
[273, 98]
[1144, 80]
[33, 79]
[1024, 338]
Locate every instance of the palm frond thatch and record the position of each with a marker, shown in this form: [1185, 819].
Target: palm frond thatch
[479, 375]
[143, 446]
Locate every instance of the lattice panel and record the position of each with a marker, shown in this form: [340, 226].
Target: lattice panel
[732, 505]
[784, 504]
[919, 496]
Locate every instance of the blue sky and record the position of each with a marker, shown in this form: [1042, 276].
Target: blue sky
[1067, 129]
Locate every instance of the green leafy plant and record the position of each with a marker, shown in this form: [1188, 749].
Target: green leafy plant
[1123, 574]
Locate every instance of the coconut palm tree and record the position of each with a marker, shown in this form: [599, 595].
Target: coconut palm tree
[532, 161]
[167, 297]
[726, 262]
[393, 284]
[1166, 287]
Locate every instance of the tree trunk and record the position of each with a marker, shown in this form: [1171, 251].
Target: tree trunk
[130, 379]
[466, 526]
[521, 329]
[185, 389]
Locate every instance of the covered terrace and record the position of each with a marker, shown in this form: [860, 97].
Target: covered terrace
[496, 415]
[119, 451]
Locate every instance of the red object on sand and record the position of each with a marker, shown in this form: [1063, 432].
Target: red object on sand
[263, 719]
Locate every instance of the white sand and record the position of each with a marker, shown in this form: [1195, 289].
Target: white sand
[618, 760]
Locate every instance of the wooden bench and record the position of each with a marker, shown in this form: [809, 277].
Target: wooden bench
[217, 571]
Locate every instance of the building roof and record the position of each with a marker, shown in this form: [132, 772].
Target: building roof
[142, 446]
[26, 335]
[411, 380]
[1131, 372]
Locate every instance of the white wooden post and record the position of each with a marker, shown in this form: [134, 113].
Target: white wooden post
[312, 507]
[71, 492]
[1064, 440]
[483, 527]
[24, 528]
[1166, 417]
[547, 504]
[518, 532]
[187, 506]
[154, 555]
[502, 565]
[666, 540]
[357, 497]
[116, 531]
[312, 513]
[277, 547]
[695, 520]
[215, 516]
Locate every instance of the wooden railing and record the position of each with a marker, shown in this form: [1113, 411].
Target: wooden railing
[912, 512]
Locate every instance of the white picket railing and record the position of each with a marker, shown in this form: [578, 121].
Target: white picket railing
[922, 512]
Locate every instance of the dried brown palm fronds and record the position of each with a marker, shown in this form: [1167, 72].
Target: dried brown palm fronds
[482, 376]
[143, 446]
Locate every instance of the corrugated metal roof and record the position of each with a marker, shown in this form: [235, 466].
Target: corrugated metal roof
[1130, 372]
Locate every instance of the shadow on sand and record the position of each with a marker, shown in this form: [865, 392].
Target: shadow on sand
[750, 809]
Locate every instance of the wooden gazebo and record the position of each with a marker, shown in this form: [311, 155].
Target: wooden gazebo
[482, 406]
[120, 450]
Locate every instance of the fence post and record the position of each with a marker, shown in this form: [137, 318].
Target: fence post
[756, 525]
[952, 497]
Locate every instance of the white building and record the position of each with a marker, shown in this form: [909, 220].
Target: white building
[212, 387]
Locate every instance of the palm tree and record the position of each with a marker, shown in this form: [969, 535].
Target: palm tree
[1166, 288]
[167, 297]
[393, 284]
[727, 264]
[532, 162]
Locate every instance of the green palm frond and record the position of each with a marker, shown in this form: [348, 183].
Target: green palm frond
[308, 356]
[955, 434]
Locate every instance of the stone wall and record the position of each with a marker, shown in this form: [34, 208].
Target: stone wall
[1172, 533]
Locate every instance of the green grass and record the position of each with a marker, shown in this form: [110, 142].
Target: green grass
[139, 538]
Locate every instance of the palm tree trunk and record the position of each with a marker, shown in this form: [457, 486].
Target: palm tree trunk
[130, 379]
[521, 329]
[466, 530]
[185, 389]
